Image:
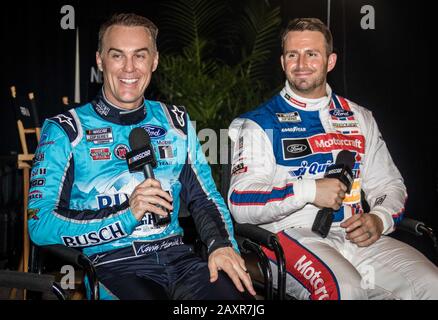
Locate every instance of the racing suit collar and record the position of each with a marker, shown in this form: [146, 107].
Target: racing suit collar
[304, 103]
[114, 114]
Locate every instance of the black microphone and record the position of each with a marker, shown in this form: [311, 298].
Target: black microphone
[142, 158]
[341, 170]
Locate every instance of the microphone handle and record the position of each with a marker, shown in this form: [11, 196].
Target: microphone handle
[323, 222]
[148, 172]
[159, 219]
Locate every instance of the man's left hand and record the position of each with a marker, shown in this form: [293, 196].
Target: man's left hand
[228, 260]
[363, 229]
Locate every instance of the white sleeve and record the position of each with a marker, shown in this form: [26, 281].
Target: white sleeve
[257, 194]
[382, 182]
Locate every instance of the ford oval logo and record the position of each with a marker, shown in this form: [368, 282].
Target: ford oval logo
[155, 131]
[296, 148]
[339, 113]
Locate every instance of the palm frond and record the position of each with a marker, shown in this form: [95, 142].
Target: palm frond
[259, 27]
[207, 71]
[188, 21]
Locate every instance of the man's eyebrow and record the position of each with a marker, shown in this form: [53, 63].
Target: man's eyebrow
[142, 49]
[307, 50]
[136, 50]
[313, 50]
[115, 49]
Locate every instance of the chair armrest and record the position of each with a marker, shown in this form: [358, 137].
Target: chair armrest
[31, 281]
[246, 245]
[25, 280]
[77, 258]
[418, 228]
[412, 226]
[67, 254]
[269, 240]
[256, 234]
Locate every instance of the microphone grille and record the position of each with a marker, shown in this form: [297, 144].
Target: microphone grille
[346, 158]
[138, 138]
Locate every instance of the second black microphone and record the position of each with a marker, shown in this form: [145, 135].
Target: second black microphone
[341, 170]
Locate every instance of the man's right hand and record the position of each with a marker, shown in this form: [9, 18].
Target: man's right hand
[146, 196]
[329, 193]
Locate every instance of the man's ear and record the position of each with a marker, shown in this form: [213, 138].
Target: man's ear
[282, 62]
[99, 61]
[156, 59]
[332, 58]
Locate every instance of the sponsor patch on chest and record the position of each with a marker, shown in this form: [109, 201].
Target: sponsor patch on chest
[295, 148]
[341, 113]
[155, 132]
[100, 136]
[289, 117]
[321, 143]
[98, 154]
[120, 151]
[165, 149]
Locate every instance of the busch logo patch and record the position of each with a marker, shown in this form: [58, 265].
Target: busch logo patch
[106, 234]
[104, 201]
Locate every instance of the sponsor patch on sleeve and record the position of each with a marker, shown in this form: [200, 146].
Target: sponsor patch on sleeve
[239, 168]
[32, 214]
[380, 200]
[38, 172]
[34, 183]
[36, 194]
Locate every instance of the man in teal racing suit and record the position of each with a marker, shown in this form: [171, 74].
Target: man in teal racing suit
[82, 194]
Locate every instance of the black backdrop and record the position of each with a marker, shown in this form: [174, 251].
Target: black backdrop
[387, 70]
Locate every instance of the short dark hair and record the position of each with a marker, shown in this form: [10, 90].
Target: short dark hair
[128, 20]
[309, 24]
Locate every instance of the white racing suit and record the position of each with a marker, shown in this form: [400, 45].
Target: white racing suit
[280, 148]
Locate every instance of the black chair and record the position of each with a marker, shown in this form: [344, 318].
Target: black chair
[38, 261]
[251, 239]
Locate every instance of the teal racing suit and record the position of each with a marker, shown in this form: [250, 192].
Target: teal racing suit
[80, 182]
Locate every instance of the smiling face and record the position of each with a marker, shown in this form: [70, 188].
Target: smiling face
[305, 63]
[128, 59]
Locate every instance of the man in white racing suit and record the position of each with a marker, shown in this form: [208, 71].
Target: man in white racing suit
[281, 152]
